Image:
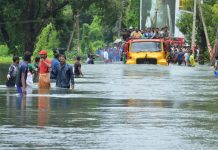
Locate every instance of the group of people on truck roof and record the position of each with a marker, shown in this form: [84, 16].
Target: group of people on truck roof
[148, 33]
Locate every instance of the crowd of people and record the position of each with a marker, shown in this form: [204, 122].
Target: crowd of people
[23, 74]
[110, 54]
[182, 55]
[177, 53]
[148, 33]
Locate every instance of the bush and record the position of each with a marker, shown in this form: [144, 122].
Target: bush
[71, 56]
[206, 56]
[97, 45]
[4, 50]
[48, 39]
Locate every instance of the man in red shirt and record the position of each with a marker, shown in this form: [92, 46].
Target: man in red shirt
[44, 70]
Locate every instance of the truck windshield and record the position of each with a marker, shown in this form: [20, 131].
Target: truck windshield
[146, 47]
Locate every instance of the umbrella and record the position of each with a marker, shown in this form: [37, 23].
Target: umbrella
[118, 41]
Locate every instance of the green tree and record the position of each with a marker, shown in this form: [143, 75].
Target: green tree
[132, 14]
[22, 21]
[96, 34]
[48, 39]
[185, 24]
[85, 43]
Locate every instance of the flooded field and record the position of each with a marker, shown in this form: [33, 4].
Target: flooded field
[115, 106]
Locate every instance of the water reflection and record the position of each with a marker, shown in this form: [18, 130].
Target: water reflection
[116, 107]
[21, 111]
[149, 103]
[43, 107]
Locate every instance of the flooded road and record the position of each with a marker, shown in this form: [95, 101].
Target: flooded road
[116, 106]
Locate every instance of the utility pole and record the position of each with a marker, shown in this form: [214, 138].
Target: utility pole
[193, 27]
[156, 9]
[120, 18]
[205, 28]
[140, 14]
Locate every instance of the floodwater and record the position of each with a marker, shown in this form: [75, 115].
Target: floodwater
[116, 107]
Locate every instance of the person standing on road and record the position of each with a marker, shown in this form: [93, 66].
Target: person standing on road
[186, 55]
[64, 72]
[22, 74]
[29, 81]
[54, 64]
[123, 57]
[106, 56]
[192, 59]
[36, 65]
[77, 68]
[12, 72]
[44, 70]
[180, 57]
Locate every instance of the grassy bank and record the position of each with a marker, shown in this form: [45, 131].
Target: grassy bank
[5, 59]
[8, 60]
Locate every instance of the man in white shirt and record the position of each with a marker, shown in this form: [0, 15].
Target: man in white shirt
[106, 57]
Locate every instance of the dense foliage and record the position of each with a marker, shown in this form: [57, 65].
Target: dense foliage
[210, 12]
[27, 25]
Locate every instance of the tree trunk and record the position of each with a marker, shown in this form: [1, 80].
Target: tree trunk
[29, 39]
[202, 46]
[71, 36]
[120, 18]
[119, 23]
[78, 32]
[193, 27]
[6, 38]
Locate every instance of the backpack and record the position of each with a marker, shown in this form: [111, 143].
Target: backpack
[12, 70]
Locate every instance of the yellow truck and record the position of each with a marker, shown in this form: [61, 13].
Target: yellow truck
[145, 51]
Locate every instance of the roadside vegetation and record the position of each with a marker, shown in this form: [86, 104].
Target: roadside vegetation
[35, 25]
[82, 26]
[210, 13]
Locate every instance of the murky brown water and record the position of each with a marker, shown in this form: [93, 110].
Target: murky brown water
[116, 106]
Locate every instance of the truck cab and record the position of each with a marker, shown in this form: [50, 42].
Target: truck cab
[145, 51]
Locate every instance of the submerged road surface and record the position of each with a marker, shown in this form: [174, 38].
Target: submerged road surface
[116, 107]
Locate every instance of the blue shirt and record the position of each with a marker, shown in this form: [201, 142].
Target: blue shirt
[22, 68]
[54, 64]
[64, 76]
[180, 56]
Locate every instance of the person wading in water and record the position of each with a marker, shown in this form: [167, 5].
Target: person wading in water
[64, 72]
[12, 72]
[77, 68]
[44, 70]
[22, 74]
